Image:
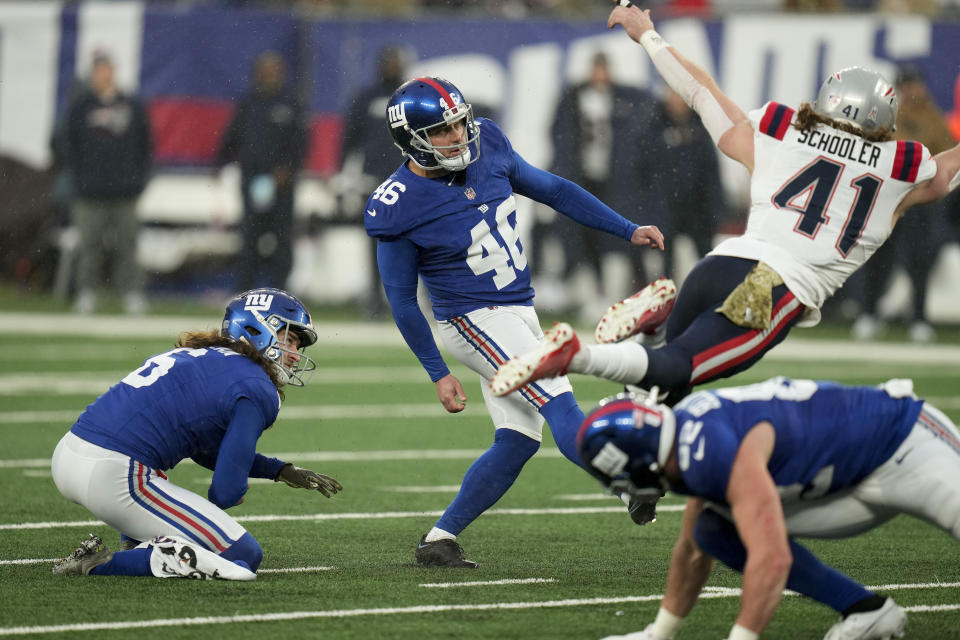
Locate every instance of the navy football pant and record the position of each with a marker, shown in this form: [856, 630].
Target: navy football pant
[703, 345]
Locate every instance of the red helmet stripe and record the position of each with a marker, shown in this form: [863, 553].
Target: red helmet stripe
[444, 94]
[613, 407]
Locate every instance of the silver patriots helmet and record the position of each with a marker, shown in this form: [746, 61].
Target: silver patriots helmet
[858, 96]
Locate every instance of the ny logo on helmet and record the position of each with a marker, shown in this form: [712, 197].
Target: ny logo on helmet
[258, 302]
[396, 114]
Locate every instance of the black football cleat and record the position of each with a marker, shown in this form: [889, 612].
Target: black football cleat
[442, 553]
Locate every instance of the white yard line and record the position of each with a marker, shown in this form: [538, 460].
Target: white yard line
[486, 583]
[28, 561]
[84, 382]
[261, 570]
[384, 611]
[329, 456]
[313, 517]
[375, 334]
[297, 412]
[294, 570]
[440, 488]
[341, 412]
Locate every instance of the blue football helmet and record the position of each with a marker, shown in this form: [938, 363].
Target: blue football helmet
[625, 442]
[263, 317]
[860, 97]
[421, 104]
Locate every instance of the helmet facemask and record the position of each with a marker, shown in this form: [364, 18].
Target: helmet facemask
[302, 366]
[420, 140]
[264, 319]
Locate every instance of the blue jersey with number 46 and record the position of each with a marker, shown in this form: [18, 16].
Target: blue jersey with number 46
[460, 230]
[177, 405]
[828, 436]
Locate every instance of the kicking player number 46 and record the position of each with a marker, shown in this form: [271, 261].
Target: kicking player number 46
[486, 253]
[389, 191]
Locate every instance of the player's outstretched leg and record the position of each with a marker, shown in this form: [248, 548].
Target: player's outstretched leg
[551, 358]
[642, 312]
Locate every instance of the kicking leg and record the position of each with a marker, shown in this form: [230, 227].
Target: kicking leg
[564, 416]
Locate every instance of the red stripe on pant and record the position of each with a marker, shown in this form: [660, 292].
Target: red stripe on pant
[940, 431]
[142, 486]
[781, 315]
[482, 346]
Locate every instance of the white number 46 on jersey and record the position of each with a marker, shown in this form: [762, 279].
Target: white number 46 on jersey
[497, 258]
[388, 192]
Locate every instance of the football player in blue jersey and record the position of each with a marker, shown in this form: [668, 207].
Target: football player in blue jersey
[769, 462]
[209, 400]
[448, 215]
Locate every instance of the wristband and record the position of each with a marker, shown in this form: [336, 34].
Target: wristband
[665, 625]
[652, 42]
[742, 633]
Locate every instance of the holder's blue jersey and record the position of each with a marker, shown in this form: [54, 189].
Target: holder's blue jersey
[828, 436]
[464, 225]
[177, 405]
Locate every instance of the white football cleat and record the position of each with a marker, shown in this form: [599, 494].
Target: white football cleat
[882, 624]
[177, 558]
[550, 359]
[643, 312]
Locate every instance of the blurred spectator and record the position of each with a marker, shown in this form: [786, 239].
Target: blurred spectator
[267, 137]
[605, 138]
[691, 158]
[375, 153]
[919, 235]
[108, 152]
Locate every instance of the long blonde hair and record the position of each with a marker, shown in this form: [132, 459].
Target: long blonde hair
[808, 119]
[213, 338]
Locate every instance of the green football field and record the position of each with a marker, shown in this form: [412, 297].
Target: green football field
[558, 558]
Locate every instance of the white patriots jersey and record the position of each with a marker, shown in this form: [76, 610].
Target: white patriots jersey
[821, 202]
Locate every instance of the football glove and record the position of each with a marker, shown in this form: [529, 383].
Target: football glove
[306, 479]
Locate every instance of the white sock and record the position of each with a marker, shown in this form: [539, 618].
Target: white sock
[439, 534]
[624, 362]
